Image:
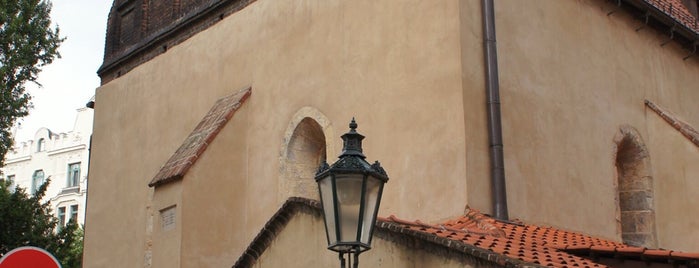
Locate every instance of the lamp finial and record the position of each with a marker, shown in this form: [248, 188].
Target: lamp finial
[352, 141]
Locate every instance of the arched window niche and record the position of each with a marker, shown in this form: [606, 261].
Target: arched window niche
[634, 189]
[41, 145]
[305, 146]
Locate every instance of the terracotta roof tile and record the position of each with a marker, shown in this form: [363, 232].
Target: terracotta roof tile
[685, 255]
[409, 233]
[631, 250]
[676, 10]
[534, 244]
[657, 253]
[202, 135]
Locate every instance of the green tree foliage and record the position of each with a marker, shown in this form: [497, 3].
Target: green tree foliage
[25, 221]
[69, 247]
[27, 43]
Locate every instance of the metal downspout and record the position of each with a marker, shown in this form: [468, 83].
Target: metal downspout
[492, 88]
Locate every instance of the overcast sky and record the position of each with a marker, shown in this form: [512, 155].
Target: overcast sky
[69, 82]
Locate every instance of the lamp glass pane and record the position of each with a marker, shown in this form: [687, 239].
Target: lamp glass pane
[371, 197]
[349, 195]
[326, 196]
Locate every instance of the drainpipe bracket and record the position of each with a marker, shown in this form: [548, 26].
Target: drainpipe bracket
[672, 35]
[618, 5]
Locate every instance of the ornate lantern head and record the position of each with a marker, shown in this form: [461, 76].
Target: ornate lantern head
[350, 193]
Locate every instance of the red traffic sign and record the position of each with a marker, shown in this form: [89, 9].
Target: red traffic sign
[29, 257]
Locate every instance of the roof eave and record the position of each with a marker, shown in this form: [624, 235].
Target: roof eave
[671, 26]
[386, 230]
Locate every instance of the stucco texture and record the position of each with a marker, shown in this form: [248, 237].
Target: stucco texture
[309, 229]
[329, 55]
[411, 72]
[571, 77]
[675, 185]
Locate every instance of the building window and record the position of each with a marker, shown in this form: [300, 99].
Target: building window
[304, 153]
[634, 190]
[73, 175]
[61, 217]
[167, 218]
[11, 180]
[74, 213]
[41, 145]
[37, 180]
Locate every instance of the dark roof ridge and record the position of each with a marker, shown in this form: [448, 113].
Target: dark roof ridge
[386, 229]
[667, 17]
[273, 227]
[677, 11]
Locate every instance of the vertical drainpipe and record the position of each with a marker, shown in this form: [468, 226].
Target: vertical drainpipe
[492, 89]
[91, 105]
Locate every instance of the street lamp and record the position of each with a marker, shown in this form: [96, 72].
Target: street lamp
[350, 193]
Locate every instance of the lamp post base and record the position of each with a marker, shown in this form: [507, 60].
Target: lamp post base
[352, 260]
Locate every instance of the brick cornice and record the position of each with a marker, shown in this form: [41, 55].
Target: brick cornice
[120, 58]
[199, 139]
[124, 59]
[687, 131]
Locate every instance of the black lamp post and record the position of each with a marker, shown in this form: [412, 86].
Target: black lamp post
[350, 193]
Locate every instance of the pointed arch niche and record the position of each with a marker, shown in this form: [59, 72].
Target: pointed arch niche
[304, 147]
[636, 211]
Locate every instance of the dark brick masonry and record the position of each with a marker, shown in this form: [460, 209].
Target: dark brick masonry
[140, 30]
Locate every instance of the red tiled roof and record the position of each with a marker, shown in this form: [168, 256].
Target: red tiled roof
[197, 141]
[688, 131]
[389, 231]
[676, 10]
[533, 244]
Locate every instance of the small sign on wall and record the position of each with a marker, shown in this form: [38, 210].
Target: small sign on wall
[167, 218]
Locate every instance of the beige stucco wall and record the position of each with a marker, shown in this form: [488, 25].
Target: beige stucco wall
[675, 182]
[570, 77]
[220, 209]
[411, 73]
[402, 82]
[285, 250]
[163, 242]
